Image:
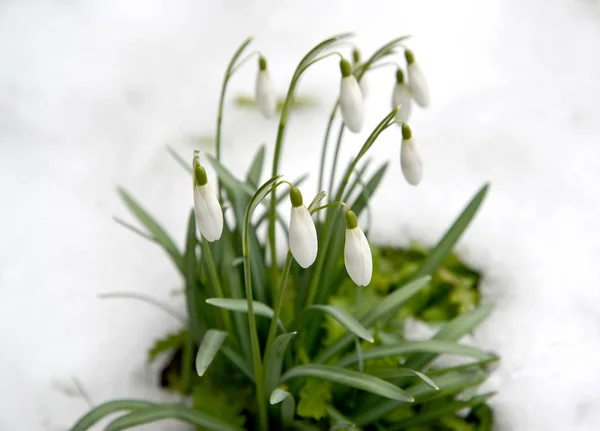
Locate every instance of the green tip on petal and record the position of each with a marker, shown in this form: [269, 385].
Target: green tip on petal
[356, 56]
[296, 197]
[399, 76]
[262, 63]
[406, 132]
[410, 57]
[200, 175]
[351, 220]
[345, 67]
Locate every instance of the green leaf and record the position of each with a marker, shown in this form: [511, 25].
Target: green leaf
[186, 165]
[98, 413]
[275, 359]
[153, 227]
[195, 306]
[349, 322]
[220, 402]
[349, 378]
[253, 175]
[227, 178]
[317, 199]
[238, 361]
[170, 411]
[167, 343]
[395, 372]
[313, 399]
[388, 305]
[212, 341]
[312, 54]
[241, 305]
[435, 346]
[278, 395]
[363, 198]
[443, 249]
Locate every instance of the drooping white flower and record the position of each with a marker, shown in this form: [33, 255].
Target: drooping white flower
[416, 80]
[303, 233]
[357, 253]
[402, 97]
[208, 212]
[265, 90]
[410, 160]
[351, 99]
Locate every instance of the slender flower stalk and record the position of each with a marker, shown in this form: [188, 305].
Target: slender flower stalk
[356, 62]
[351, 98]
[416, 80]
[410, 160]
[402, 97]
[265, 90]
[357, 253]
[303, 234]
[209, 215]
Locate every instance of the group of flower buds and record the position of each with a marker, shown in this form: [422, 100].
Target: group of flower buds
[304, 243]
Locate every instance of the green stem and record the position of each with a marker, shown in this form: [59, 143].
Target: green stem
[336, 154]
[279, 296]
[214, 276]
[187, 364]
[325, 145]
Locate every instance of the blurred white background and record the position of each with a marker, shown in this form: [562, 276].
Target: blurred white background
[92, 91]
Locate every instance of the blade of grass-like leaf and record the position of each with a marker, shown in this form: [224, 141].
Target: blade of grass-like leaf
[241, 305]
[436, 346]
[153, 227]
[278, 395]
[428, 416]
[359, 355]
[341, 422]
[144, 298]
[349, 378]
[446, 244]
[103, 410]
[275, 359]
[345, 319]
[317, 199]
[253, 175]
[238, 361]
[135, 229]
[452, 332]
[194, 305]
[387, 306]
[179, 412]
[186, 165]
[363, 198]
[359, 173]
[227, 178]
[212, 341]
[395, 372]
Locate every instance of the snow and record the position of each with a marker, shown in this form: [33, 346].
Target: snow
[91, 91]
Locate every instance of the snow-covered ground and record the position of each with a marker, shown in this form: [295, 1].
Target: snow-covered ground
[91, 91]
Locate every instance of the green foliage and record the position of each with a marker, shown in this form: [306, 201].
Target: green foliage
[340, 353]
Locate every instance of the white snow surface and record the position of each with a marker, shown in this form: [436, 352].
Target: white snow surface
[91, 91]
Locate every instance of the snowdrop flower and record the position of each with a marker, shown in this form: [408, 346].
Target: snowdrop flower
[416, 80]
[357, 253]
[265, 90]
[209, 216]
[410, 160]
[402, 98]
[351, 99]
[303, 234]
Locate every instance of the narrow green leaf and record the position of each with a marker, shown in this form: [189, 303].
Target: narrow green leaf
[348, 321]
[430, 346]
[275, 359]
[363, 198]
[388, 305]
[194, 304]
[349, 378]
[241, 305]
[253, 175]
[153, 227]
[359, 173]
[212, 341]
[103, 410]
[179, 412]
[227, 178]
[144, 298]
[186, 165]
[318, 198]
[135, 230]
[446, 244]
[312, 54]
[278, 395]
[238, 361]
[395, 372]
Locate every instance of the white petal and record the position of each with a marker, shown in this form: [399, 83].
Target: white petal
[410, 160]
[209, 215]
[402, 98]
[357, 257]
[303, 236]
[418, 84]
[351, 103]
[265, 93]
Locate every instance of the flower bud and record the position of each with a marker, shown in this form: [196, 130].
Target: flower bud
[416, 80]
[303, 233]
[357, 253]
[265, 90]
[410, 160]
[208, 212]
[351, 99]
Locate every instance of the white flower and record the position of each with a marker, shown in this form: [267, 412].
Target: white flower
[265, 90]
[303, 234]
[351, 99]
[209, 215]
[357, 253]
[402, 98]
[416, 80]
[410, 160]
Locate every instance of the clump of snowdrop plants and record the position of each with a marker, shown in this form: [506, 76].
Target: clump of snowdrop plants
[285, 345]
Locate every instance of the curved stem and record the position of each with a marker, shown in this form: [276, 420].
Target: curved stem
[214, 276]
[330, 204]
[279, 295]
